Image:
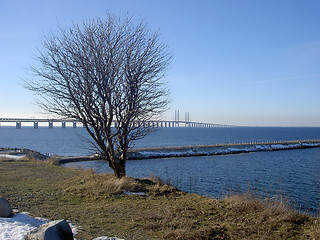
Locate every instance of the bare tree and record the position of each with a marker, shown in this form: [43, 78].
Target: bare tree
[108, 74]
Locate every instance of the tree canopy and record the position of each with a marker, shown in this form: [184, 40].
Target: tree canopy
[107, 73]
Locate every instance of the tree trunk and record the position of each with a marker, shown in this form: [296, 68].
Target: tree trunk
[118, 165]
[120, 169]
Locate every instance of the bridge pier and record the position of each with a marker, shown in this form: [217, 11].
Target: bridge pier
[74, 125]
[63, 124]
[18, 125]
[35, 125]
[50, 124]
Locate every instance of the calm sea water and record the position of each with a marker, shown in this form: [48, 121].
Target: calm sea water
[74, 141]
[294, 174]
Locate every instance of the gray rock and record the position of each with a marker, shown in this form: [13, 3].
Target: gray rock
[5, 208]
[55, 230]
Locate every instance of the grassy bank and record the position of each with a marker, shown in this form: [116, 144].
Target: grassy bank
[96, 203]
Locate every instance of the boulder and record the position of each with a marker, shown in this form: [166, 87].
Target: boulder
[55, 230]
[5, 208]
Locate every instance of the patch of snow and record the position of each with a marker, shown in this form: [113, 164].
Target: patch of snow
[135, 193]
[237, 150]
[263, 147]
[278, 146]
[9, 156]
[311, 144]
[297, 145]
[219, 151]
[17, 227]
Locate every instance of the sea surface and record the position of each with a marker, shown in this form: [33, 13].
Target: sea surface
[293, 174]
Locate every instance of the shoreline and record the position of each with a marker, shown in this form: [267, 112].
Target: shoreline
[171, 152]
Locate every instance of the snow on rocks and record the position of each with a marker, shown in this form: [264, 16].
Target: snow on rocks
[54, 230]
[21, 224]
[17, 227]
[223, 149]
[10, 156]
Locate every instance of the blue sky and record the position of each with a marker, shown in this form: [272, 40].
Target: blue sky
[235, 62]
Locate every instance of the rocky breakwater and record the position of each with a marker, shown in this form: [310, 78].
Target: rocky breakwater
[54, 230]
[219, 149]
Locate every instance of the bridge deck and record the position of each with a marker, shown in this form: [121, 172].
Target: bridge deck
[152, 123]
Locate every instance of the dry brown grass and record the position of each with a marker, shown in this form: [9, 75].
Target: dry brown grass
[53, 161]
[4, 159]
[94, 201]
[267, 217]
[91, 184]
[314, 231]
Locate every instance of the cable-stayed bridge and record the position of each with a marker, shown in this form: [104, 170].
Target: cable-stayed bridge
[19, 122]
[152, 123]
